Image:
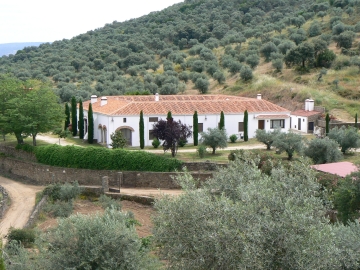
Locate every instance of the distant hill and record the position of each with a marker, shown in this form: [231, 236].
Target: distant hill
[287, 50]
[12, 48]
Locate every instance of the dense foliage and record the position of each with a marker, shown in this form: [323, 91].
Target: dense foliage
[267, 137]
[346, 137]
[106, 241]
[104, 159]
[117, 140]
[196, 128]
[323, 150]
[162, 51]
[142, 130]
[74, 118]
[244, 219]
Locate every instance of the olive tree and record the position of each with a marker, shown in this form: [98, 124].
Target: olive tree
[289, 142]
[266, 137]
[215, 138]
[346, 137]
[323, 150]
[107, 241]
[243, 219]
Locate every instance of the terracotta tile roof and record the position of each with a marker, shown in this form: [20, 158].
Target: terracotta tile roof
[305, 113]
[182, 105]
[275, 116]
[340, 168]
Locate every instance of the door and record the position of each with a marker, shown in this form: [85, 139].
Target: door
[299, 123]
[311, 127]
[261, 124]
[127, 135]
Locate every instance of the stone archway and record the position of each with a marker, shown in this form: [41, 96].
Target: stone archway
[127, 133]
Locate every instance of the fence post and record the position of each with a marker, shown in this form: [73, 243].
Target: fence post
[105, 184]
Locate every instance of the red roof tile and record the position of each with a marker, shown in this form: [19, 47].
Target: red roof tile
[183, 105]
[305, 113]
[340, 168]
[275, 116]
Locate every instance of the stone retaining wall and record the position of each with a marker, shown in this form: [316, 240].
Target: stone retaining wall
[4, 201]
[11, 151]
[34, 215]
[44, 174]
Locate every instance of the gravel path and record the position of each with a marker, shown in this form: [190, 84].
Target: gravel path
[22, 203]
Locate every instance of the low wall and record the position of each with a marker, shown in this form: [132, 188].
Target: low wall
[11, 151]
[334, 123]
[44, 174]
[202, 166]
[4, 201]
[35, 213]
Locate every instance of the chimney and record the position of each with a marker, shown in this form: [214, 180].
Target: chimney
[93, 99]
[103, 101]
[258, 96]
[311, 105]
[307, 104]
[157, 97]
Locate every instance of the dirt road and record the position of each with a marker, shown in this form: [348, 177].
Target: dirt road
[22, 203]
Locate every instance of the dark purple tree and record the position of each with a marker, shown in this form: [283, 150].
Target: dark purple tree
[171, 132]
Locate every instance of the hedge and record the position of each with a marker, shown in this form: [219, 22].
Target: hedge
[104, 159]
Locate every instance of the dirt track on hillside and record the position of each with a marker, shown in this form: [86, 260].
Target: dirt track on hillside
[22, 203]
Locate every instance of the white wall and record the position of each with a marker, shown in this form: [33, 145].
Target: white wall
[295, 125]
[211, 121]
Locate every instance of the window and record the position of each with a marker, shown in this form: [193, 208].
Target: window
[277, 123]
[151, 135]
[124, 120]
[153, 119]
[241, 126]
[200, 127]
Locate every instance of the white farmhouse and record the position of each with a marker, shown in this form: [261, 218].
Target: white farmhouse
[113, 113]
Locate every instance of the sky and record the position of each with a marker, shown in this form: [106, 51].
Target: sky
[47, 21]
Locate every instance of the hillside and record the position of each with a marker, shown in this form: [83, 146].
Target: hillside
[285, 49]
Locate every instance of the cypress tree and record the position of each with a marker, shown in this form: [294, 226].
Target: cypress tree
[246, 120]
[222, 120]
[73, 116]
[141, 128]
[356, 124]
[196, 128]
[169, 115]
[91, 125]
[67, 113]
[327, 119]
[81, 120]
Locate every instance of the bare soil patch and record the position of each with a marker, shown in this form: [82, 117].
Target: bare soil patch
[142, 213]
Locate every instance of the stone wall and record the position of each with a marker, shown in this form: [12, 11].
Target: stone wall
[11, 151]
[44, 174]
[202, 166]
[4, 201]
[35, 213]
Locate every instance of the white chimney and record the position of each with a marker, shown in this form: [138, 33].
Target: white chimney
[307, 104]
[258, 96]
[93, 99]
[311, 105]
[157, 97]
[103, 101]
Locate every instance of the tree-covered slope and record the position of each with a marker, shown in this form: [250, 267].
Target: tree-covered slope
[198, 45]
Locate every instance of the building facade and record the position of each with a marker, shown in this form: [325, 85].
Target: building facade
[113, 113]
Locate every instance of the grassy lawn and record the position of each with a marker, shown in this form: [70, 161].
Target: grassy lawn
[10, 140]
[81, 142]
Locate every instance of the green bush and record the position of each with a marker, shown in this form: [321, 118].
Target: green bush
[182, 142]
[233, 138]
[25, 147]
[201, 151]
[108, 202]
[65, 192]
[25, 236]
[104, 159]
[61, 209]
[155, 143]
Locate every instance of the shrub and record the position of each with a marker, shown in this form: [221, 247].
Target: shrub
[323, 151]
[118, 140]
[233, 138]
[25, 147]
[182, 142]
[267, 137]
[25, 236]
[246, 73]
[346, 137]
[201, 151]
[61, 209]
[104, 159]
[108, 202]
[155, 143]
[65, 192]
